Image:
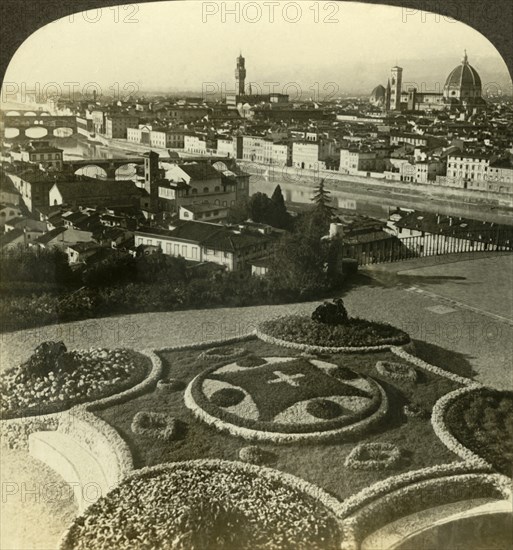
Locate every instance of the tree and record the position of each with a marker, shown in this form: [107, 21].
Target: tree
[298, 265]
[283, 219]
[322, 213]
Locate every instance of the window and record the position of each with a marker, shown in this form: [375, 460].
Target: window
[205, 189]
[169, 249]
[177, 250]
[194, 191]
[184, 251]
[185, 214]
[217, 188]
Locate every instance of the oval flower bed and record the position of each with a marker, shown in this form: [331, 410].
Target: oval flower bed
[208, 504]
[158, 425]
[396, 371]
[373, 456]
[355, 333]
[89, 375]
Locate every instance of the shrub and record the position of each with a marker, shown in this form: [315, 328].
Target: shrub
[349, 267]
[158, 425]
[333, 313]
[44, 359]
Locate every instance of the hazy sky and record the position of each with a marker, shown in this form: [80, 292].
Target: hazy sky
[181, 45]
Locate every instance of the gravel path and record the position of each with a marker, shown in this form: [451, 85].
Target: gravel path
[481, 345]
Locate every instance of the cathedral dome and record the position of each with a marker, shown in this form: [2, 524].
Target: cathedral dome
[463, 83]
[377, 97]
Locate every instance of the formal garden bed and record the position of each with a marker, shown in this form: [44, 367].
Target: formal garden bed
[54, 379]
[208, 504]
[321, 463]
[482, 421]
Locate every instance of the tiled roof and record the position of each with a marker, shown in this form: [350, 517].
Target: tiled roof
[47, 237]
[93, 187]
[10, 236]
[200, 171]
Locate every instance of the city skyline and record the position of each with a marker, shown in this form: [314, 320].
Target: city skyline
[67, 51]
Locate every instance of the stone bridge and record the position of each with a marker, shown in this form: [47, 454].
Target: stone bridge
[25, 120]
[108, 165]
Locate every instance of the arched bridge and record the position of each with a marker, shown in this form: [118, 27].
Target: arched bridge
[25, 120]
[108, 165]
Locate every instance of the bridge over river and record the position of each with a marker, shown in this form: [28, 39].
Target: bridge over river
[38, 123]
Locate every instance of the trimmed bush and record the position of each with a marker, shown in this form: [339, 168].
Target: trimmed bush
[333, 313]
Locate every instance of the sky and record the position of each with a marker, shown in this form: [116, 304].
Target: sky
[189, 45]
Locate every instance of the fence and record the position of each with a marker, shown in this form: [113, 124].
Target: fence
[395, 250]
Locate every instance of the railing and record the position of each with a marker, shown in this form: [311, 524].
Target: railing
[394, 250]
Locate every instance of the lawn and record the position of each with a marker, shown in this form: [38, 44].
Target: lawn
[321, 464]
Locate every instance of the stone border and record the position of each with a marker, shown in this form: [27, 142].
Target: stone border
[88, 429]
[443, 433]
[321, 349]
[392, 494]
[400, 352]
[249, 434]
[312, 491]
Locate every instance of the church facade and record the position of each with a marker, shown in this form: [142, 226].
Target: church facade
[462, 91]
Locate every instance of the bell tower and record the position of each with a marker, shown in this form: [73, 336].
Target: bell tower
[396, 82]
[240, 75]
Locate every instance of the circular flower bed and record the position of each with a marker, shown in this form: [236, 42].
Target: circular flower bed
[373, 456]
[208, 504]
[158, 425]
[221, 353]
[285, 396]
[171, 385]
[88, 375]
[396, 371]
[482, 421]
[355, 333]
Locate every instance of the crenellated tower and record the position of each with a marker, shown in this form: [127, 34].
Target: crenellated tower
[240, 75]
